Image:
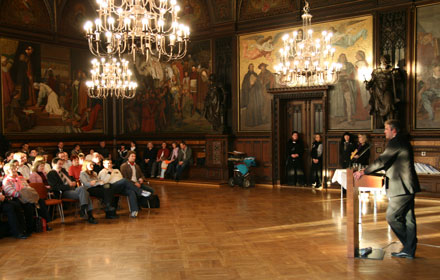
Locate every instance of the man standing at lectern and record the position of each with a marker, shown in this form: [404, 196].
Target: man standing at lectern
[401, 185]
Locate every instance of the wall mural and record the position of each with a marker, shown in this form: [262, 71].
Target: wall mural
[194, 13]
[427, 103]
[251, 9]
[43, 90]
[31, 14]
[171, 95]
[348, 101]
[74, 15]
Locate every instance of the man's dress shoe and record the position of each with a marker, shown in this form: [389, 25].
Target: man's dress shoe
[402, 255]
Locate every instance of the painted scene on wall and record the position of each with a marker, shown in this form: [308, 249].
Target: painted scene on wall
[427, 103]
[348, 100]
[171, 95]
[43, 90]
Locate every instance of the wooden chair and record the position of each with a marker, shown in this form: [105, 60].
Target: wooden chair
[44, 194]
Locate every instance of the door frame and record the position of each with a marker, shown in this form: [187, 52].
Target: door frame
[281, 96]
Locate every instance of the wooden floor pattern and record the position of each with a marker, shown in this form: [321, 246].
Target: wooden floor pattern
[203, 232]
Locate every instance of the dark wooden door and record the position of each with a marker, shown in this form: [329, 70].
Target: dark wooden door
[306, 117]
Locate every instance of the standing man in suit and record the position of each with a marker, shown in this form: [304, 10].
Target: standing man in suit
[401, 185]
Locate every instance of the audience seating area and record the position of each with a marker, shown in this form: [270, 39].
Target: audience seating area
[196, 172]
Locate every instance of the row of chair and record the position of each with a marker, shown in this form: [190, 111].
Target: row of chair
[45, 194]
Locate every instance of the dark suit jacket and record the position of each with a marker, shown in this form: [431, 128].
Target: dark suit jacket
[398, 162]
[188, 155]
[55, 181]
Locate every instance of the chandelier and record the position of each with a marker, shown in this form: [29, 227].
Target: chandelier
[306, 61]
[148, 27]
[111, 79]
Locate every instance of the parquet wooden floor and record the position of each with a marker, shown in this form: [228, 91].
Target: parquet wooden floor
[203, 232]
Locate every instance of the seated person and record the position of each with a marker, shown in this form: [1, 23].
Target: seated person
[122, 154]
[362, 153]
[60, 181]
[131, 171]
[102, 150]
[76, 150]
[31, 156]
[149, 158]
[38, 174]
[171, 168]
[75, 168]
[184, 160]
[95, 187]
[66, 160]
[43, 158]
[89, 156]
[59, 148]
[97, 161]
[23, 166]
[162, 154]
[16, 219]
[123, 186]
[12, 184]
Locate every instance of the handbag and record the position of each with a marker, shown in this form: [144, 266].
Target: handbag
[28, 195]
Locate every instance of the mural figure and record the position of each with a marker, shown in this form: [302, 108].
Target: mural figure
[344, 94]
[267, 79]
[383, 90]
[363, 95]
[262, 47]
[344, 38]
[430, 93]
[46, 93]
[24, 77]
[215, 104]
[7, 83]
[252, 99]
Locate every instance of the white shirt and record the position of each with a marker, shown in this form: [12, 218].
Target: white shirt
[114, 176]
[133, 172]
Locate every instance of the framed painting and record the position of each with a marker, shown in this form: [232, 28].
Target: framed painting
[426, 106]
[348, 100]
[170, 95]
[44, 92]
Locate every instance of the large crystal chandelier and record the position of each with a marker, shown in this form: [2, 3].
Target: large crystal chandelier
[111, 79]
[305, 60]
[148, 27]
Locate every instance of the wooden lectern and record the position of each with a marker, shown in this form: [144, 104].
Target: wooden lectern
[367, 181]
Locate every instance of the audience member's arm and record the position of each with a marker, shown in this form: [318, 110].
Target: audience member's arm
[86, 180]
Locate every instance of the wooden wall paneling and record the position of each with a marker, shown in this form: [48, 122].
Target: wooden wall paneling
[260, 148]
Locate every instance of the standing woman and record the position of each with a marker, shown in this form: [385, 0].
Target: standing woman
[316, 155]
[346, 148]
[294, 163]
[362, 155]
[89, 180]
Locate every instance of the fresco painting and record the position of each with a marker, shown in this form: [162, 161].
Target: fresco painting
[427, 103]
[348, 100]
[41, 87]
[171, 95]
